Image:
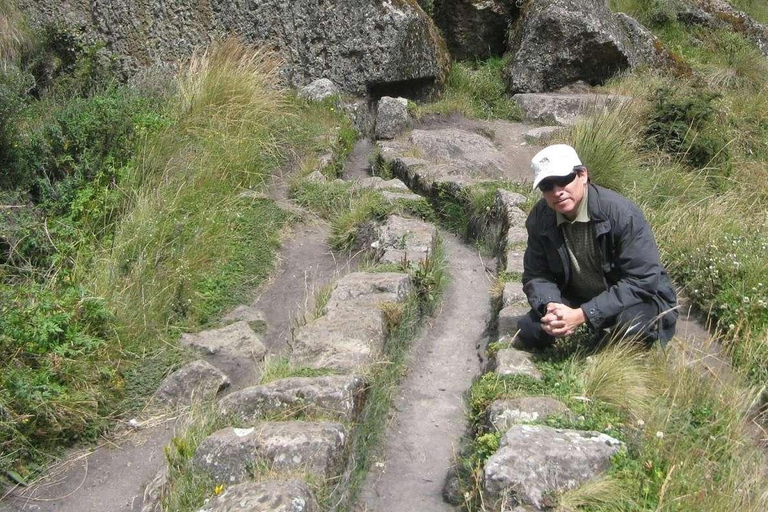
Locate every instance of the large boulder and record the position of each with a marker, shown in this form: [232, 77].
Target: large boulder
[358, 44]
[534, 462]
[558, 42]
[229, 454]
[475, 29]
[269, 496]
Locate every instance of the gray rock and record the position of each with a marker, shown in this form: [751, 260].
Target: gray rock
[503, 414]
[336, 396]
[475, 30]
[319, 90]
[197, 380]
[507, 204]
[316, 177]
[534, 462]
[359, 112]
[246, 313]
[269, 496]
[558, 42]
[372, 44]
[564, 109]
[542, 134]
[516, 237]
[400, 239]
[513, 294]
[378, 183]
[351, 333]
[513, 260]
[401, 196]
[235, 340]
[392, 117]
[509, 316]
[452, 488]
[316, 447]
[459, 147]
[692, 15]
[510, 361]
[646, 48]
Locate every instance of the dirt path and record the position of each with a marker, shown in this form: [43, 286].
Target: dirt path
[429, 414]
[112, 477]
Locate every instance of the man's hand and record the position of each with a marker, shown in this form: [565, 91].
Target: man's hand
[560, 320]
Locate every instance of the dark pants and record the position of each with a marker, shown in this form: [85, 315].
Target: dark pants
[639, 322]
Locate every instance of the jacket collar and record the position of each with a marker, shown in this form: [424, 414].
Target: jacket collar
[548, 225]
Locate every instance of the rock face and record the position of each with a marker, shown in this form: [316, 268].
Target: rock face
[505, 413]
[400, 239]
[235, 340]
[372, 44]
[352, 331]
[558, 42]
[534, 461]
[315, 447]
[475, 29]
[336, 396]
[271, 496]
[564, 109]
[196, 380]
[392, 118]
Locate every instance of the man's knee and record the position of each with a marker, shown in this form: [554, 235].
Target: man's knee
[640, 321]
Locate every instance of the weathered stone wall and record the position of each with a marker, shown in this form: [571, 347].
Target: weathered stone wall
[358, 44]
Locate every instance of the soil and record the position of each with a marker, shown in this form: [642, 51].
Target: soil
[429, 416]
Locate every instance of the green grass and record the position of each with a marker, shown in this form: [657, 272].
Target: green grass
[476, 91]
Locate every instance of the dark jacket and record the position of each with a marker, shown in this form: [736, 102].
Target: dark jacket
[629, 259]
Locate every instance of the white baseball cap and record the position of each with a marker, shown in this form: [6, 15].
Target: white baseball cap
[554, 160]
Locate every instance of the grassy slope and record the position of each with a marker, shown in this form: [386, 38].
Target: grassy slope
[145, 242]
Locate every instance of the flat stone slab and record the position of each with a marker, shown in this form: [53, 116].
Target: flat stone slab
[269, 496]
[505, 413]
[513, 260]
[510, 361]
[513, 294]
[351, 333]
[564, 109]
[235, 340]
[227, 455]
[198, 380]
[404, 240]
[334, 396]
[378, 183]
[393, 197]
[541, 134]
[247, 313]
[509, 316]
[535, 461]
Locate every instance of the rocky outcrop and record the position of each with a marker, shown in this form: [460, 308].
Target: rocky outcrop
[534, 462]
[723, 12]
[475, 29]
[270, 496]
[564, 109]
[197, 380]
[372, 44]
[558, 42]
[334, 396]
[229, 454]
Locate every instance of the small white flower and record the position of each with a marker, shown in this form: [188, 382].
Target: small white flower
[660, 434]
[640, 423]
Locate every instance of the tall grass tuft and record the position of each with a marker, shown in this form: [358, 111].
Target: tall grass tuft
[14, 33]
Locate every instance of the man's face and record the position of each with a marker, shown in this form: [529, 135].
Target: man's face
[566, 199]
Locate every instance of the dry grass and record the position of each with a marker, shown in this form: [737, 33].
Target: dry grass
[606, 492]
[14, 33]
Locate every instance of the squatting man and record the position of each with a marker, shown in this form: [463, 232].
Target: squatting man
[591, 259]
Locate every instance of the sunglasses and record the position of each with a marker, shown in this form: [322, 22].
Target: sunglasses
[560, 181]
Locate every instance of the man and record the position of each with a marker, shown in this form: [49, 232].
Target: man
[591, 259]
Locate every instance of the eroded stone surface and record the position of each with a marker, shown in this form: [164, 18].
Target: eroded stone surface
[335, 396]
[510, 361]
[513, 294]
[475, 30]
[235, 340]
[198, 380]
[404, 240]
[509, 316]
[564, 109]
[247, 313]
[534, 461]
[392, 117]
[319, 90]
[270, 496]
[541, 134]
[315, 447]
[503, 414]
[351, 333]
[378, 183]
